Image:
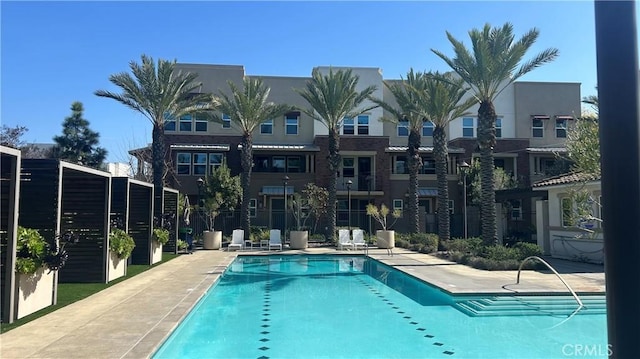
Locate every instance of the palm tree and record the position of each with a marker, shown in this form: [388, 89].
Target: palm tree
[248, 108]
[407, 94]
[491, 66]
[442, 103]
[158, 93]
[333, 97]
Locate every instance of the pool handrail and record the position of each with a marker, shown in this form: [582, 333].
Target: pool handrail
[580, 305]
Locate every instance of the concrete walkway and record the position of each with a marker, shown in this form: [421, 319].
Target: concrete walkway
[132, 318]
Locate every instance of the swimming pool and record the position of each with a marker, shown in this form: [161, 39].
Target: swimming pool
[343, 306]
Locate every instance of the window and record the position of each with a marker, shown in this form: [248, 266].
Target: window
[278, 164]
[266, 128]
[516, 209]
[561, 127]
[348, 169]
[427, 129]
[215, 161]
[398, 205]
[498, 163]
[184, 163]
[363, 125]
[348, 126]
[428, 166]
[185, 123]
[468, 128]
[400, 165]
[537, 128]
[451, 206]
[169, 122]
[566, 207]
[291, 124]
[499, 127]
[293, 164]
[201, 123]
[199, 163]
[253, 207]
[226, 121]
[403, 128]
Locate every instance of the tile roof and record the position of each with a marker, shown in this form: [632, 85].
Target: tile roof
[566, 178]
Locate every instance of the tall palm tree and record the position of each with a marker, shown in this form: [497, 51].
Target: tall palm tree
[408, 96]
[333, 97]
[492, 64]
[248, 108]
[442, 103]
[158, 93]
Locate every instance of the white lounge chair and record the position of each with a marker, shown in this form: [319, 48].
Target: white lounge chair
[358, 239]
[237, 240]
[344, 240]
[274, 239]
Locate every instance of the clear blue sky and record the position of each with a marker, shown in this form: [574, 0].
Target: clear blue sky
[54, 53]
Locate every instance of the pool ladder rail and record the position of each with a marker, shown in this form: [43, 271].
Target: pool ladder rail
[580, 305]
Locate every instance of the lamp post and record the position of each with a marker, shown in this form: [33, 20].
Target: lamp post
[200, 182]
[463, 166]
[285, 180]
[369, 198]
[349, 183]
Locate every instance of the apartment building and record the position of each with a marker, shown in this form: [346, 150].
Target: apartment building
[532, 124]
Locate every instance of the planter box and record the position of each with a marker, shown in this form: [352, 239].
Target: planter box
[117, 267]
[211, 240]
[385, 239]
[298, 239]
[156, 251]
[575, 249]
[34, 292]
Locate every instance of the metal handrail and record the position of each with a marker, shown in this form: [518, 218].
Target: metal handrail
[554, 272]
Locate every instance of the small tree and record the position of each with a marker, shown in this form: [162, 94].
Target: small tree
[381, 214]
[317, 201]
[221, 192]
[78, 143]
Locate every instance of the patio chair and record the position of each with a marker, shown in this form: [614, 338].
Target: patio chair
[344, 240]
[274, 239]
[358, 239]
[237, 240]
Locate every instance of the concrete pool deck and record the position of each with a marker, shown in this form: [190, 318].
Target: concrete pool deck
[132, 318]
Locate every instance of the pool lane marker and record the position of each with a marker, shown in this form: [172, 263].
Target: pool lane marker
[394, 307]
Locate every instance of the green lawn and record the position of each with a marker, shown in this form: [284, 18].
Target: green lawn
[72, 292]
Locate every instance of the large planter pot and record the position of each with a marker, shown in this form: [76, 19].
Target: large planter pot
[385, 239]
[299, 239]
[117, 266]
[211, 239]
[156, 251]
[34, 291]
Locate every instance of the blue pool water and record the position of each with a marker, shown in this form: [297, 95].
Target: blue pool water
[355, 307]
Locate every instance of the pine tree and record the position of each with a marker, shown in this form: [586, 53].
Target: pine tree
[78, 143]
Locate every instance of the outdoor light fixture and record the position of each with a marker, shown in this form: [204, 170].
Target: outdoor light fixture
[285, 180]
[463, 167]
[200, 182]
[349, 183]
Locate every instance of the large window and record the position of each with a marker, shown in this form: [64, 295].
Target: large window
[169, 122]
[403, 128]
[215, 161]
[468, 128]
[226, 121]
[348, 167]
[537, 127]
[266, 128]
[561, 127]
[348, 127]
[401, 166]
[184, 163]
[363, 125]
[516, 209]
[291, 124]
[185, 123]
[201, 123]
[427, 129]
[199, 163]
[278, 163]
[499, 127]
[253, 207]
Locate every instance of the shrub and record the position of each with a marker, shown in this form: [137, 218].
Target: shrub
[527, 249]
[121, 243]
[317, 237]
[161, 235]
[470, 245]
[182, 245]
[259, 233]
[501, 253]
[31, 250]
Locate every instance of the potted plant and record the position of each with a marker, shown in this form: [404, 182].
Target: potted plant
[121, 245]
[36, 263]
[385, 238]
[312, 203]
[220, 192]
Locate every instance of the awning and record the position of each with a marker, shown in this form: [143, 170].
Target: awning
[564, 117]
[297, 148]
[422, 149]
[275, 190]
[224, 148]
[540, 117]
[427, 192]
